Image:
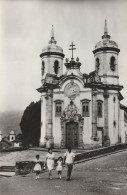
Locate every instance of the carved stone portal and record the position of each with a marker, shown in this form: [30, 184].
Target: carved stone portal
[71, 127]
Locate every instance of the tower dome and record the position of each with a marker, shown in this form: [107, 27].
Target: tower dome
[52, 58]
[106, 59]
[106, 43]
[52, 48]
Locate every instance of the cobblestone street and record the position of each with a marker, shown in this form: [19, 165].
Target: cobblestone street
[106, 175]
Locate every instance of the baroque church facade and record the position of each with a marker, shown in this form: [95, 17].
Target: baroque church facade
[79, 109]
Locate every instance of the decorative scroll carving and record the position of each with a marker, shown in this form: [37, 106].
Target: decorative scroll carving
[94, 77]
[71, 112]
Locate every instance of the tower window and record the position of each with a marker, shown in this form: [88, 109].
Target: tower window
[114, 99]
[99, 109]
[58, 109]
[43, 68]
[85, 109]
[97, 64]
[56, 67]
[114, 123]
[112, 63]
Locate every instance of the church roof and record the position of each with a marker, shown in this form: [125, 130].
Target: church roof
[123, 107]
[6, 141]
[12, 133]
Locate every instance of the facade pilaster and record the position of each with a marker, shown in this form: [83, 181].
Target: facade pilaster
[81, 123]
[62, 134]
[94, 115]
[106, 141]
[41, 142]
[119, 120]
[49, 119]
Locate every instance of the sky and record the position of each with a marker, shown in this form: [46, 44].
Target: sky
[25, 28]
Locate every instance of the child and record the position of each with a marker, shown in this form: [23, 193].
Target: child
[59, 166]
[37, 167]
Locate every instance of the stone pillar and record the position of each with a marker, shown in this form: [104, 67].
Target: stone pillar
[49, 119]
[94, 116]
[106, 121]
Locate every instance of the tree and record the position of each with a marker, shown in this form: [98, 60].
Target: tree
[20, 137]
[30, 124]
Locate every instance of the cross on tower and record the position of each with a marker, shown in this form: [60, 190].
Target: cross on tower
[72, 48]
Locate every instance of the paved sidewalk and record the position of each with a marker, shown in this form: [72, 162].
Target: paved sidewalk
[103, 176]
[8, 174]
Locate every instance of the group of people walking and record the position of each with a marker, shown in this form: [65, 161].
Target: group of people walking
[67, 159]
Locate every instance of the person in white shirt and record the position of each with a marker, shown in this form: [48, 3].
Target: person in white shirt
[69, 160]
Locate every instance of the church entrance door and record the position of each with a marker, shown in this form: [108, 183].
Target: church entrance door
[72, 134]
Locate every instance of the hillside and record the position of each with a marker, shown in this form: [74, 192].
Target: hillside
[10, 120]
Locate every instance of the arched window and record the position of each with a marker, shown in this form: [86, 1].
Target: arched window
[56, 67]
[99, 109]
[112, 63]
[97, 64]
[114, 99]
[58, 108]
[85, 108]
[114, 123]
[43, 68]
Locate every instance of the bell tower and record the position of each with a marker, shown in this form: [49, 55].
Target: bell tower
[106, 59]
[52, 58]
[51, 70]
[0, 136]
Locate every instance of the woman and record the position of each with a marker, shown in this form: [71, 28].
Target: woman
[50, 159]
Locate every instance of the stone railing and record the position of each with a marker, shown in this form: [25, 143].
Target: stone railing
[100, 151]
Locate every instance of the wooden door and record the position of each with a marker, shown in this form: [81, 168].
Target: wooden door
[72, 134]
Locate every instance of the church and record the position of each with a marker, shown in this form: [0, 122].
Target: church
[79, 109]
